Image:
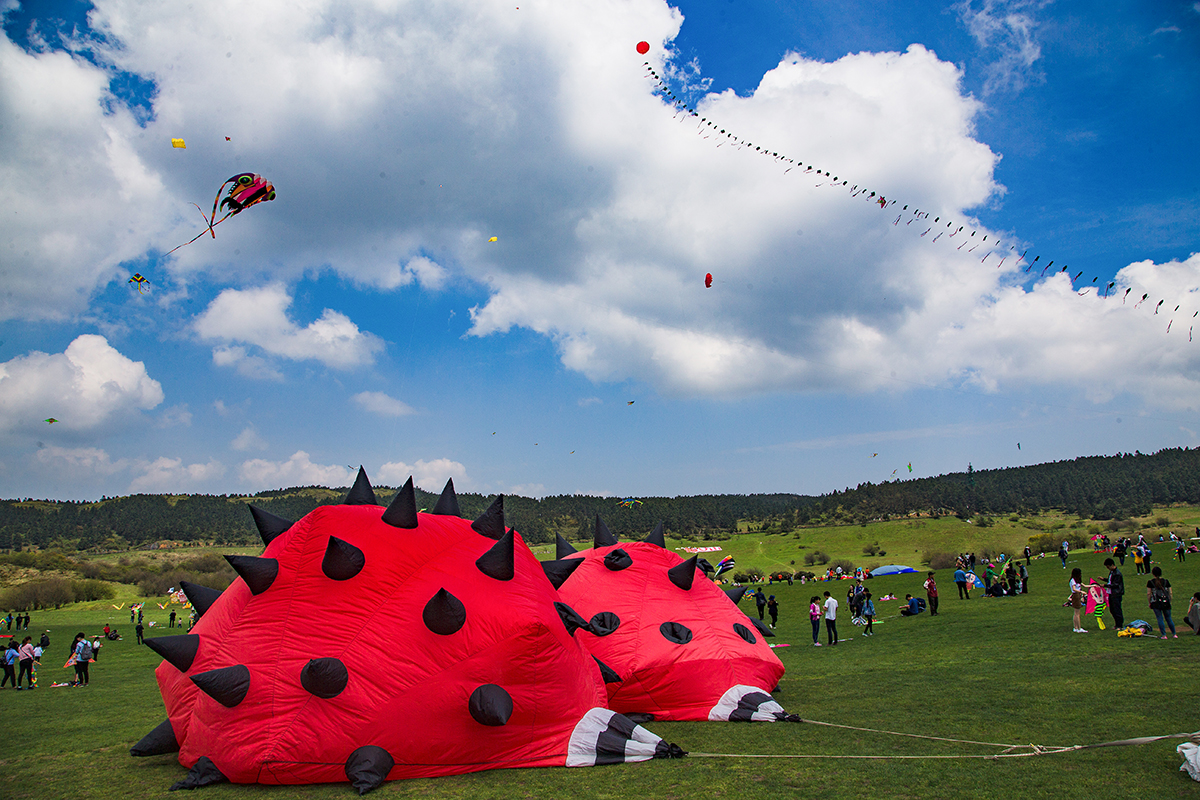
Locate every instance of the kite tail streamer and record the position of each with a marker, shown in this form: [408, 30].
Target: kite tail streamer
[209, 229]
[940, 235]
[1169, 325]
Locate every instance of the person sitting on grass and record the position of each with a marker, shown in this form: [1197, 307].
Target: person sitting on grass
[912, 609]
[1192, 617]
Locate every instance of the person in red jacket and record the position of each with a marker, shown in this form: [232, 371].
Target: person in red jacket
[931, 593]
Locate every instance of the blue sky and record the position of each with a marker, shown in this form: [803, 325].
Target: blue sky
[363, 317]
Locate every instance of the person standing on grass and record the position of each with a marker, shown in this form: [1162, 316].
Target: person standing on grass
[773, 610]
[131, 615]
[814, 616]
[760, 600]
[25, 656]
[1028, 555]
[140, 629]
[869, 614]
[931, 594]
[10, 665]
[83, 657]
[1158, 593]
[1062, 553]
[831, 618]
[1119, 550]
[1076, 587]
[960, 578]
[172, 624]
[1115, 583]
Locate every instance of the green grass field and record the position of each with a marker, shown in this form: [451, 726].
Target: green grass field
[999, 670]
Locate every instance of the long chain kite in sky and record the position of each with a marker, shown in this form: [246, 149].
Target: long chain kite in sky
[709, 129]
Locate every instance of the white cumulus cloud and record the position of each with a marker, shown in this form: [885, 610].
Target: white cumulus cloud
[299, 470]
[428, 475]
[88, 386]
[383, 404]
[248, 439]
[259, 317]
[171, 475]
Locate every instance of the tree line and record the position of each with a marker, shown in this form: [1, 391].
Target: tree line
[1099, 487]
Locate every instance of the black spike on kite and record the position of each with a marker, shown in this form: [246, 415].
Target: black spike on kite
[228, 685]
[201, 597]
[558, 571]
[179, 650]
[447, 504]
[342, 560]
[656, 537]
[367, 768]
[735, 593]
[683, 574]
[491, 522]
[361, 493]
[258, 573]
[603, 537]
[269, 526]
[203, 773]
[157, 742]
[499, 562]
[402, 511]
[562, 548]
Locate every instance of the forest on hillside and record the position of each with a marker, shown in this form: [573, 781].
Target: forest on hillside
[1097, 487]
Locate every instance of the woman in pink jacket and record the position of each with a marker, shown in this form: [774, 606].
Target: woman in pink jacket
[25, 654]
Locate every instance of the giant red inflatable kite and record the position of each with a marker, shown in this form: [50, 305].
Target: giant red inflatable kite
[368, 645]
[676, 647]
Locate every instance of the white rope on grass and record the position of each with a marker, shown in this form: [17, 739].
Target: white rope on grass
[1009, 751]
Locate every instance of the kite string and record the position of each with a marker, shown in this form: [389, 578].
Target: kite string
[1032, 749]
[910, 735]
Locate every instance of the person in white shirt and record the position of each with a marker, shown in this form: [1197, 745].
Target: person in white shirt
[831, 618]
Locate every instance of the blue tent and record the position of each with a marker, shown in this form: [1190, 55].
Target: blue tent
[890, 569]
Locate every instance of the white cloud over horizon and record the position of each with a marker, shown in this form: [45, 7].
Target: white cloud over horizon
[428, 475]
[298, 470]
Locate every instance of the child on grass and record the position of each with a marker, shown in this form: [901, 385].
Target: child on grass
[868, 614]
[814, 616]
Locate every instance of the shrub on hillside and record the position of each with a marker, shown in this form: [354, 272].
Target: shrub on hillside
[940, 560]
[871, 549]
[88, 589]
[35, 595]
[845, 564]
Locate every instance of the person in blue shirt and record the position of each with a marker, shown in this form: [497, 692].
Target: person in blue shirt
[960, 577]
[913, 608]
[868, 612]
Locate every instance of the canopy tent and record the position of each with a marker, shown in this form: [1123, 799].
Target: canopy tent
[890, 569]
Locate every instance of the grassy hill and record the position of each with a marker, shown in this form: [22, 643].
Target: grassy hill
[995, 670]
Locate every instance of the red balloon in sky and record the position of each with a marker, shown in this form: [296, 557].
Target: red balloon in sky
[643, 47]
[708, 281]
